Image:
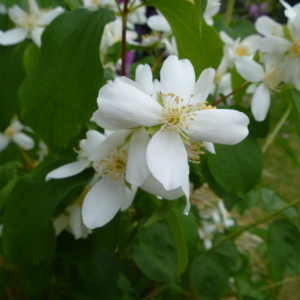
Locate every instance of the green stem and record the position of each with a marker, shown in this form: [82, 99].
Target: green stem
[277, 128]
[124, 25]
[119, 7]
[229, 10]
[264, 288]
[156, 291]
[253, 224]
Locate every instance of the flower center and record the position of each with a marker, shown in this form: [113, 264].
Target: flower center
[30, 21]
[113, 164]
[273, 78]
[241, 50]
[295, 49]
[218, 77]
[9, 132]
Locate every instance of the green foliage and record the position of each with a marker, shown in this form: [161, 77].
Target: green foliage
[28, 235]
[31, 56]
[296, 102]
[11, 76]
[209, 276]
[236, 168]
[154, 252]
[283, 248]
[58, 97]
[185, 26]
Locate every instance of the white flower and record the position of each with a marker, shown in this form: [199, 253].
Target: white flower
[171, 46]
[227, 221]
[237, 48]
[291, 12]
[269, 79]
[110, 194]
[71, 221]
[207, 233]
[43, 151]
[87, 148]
[13, 134]
[178, 113]
[212, 8]
[137, 16]
[159, 23]
[268, 27]
[95, 4]
[29, 24]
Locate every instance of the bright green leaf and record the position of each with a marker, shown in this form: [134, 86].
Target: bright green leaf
[31, 56]
[59, 96]
[204, 50]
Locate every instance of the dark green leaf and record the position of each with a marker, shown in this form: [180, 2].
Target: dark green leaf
[296, 102]
[154, 252]
[8, 172]
[251, 199]
[209, 277]
[185, 26]
[283, 248]
[99, 282]
[28, 234]
[272, 201]
[237, 168]
[236, 81]
[11, 76]
[59, 96]
[289, 150]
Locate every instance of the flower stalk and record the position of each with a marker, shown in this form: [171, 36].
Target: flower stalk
[253, 224]
[229, 11]
[124, 25]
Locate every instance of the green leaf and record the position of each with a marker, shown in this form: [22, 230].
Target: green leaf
[272, 201]
[289, 150]
[154, 252]
[204, 50]
[251, 199]
[31, 56]
[161, 212]
[209, 277]
[28, 234]
[296, 102]
[236, 81]
[237, 168]
[11, 76]
[74, 4]
[99, 281]
[59, 96]
[8, 172]
[283, 248]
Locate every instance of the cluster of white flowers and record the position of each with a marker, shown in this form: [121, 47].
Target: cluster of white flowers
[278, 49]
[215, 220]
[158, 127]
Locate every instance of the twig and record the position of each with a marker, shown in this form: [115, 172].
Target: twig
[156, 291]
[253, 224]
[27, 159]
[158, 61]
[227, 96]
[124, 25]
[277, 128]
[229, 11]
[272, 285]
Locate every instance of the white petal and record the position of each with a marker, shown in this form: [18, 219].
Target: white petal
[13, 36]
[289, 11]
[129, 196]
[36, 35]
[4, 141]
[60, 224]
[111, 142]
[205, 83]
[159, 23]
[127, 80]
[143, 76]
[221, 126]
[33, 7]
[167, 159]
[17, 14]
[92, 141]
[177, 77]
[68, 170]
[102, 202]
[153, 186]
[23, 140]
[260, 103]
[104, 122]
[295, 28]
[186, 189]
[137, 169]
[268, 27]
[48, 16]
[226, 38]
[274, 44]
[127, 106]
[209, 147]
[249, 69]
[207, 244]
[251, 42]
[75, 220]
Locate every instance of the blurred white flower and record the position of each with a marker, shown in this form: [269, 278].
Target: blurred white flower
[212, 8]
[13, 134]
[29, 24]
[267, 79]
